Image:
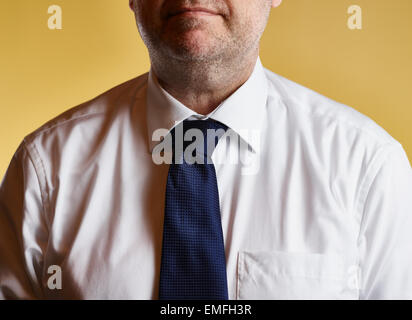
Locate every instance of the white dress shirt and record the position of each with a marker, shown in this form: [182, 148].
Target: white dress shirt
[320, 205]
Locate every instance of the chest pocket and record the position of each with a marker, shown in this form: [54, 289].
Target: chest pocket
[280, 275]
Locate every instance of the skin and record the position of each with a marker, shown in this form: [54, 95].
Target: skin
[202, 51]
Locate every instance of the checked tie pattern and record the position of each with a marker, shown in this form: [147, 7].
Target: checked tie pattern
[193, 264]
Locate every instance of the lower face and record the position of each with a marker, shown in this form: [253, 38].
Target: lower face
[196, 33]
[202, 35]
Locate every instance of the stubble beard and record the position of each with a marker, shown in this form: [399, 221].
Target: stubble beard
[192, 63]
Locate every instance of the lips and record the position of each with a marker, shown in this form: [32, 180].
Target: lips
[198, 10]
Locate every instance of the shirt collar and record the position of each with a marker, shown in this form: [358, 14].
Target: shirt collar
[243, 112]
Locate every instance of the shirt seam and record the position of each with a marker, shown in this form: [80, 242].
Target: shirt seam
[375, 167]
[140, 82]
[41, 131]
[285, 96]
[371, 172]
[41, 178]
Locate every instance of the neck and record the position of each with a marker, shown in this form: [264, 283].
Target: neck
[203, 85]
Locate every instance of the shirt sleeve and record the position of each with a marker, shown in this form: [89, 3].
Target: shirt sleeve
[385, 239]
[23, 233]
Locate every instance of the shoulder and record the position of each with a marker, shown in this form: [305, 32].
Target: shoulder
[321, 113]
[332, 138]
[100, 108]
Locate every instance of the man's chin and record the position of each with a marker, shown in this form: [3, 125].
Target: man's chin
[192, 46]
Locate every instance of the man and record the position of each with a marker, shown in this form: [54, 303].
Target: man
[316, 205]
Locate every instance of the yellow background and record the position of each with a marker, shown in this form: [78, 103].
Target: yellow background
[44, 72]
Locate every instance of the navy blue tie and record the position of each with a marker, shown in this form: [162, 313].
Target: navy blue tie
[193, 264]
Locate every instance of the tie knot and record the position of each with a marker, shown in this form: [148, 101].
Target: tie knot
[195, 140]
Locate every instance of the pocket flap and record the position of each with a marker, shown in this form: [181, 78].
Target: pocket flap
[284, 275]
